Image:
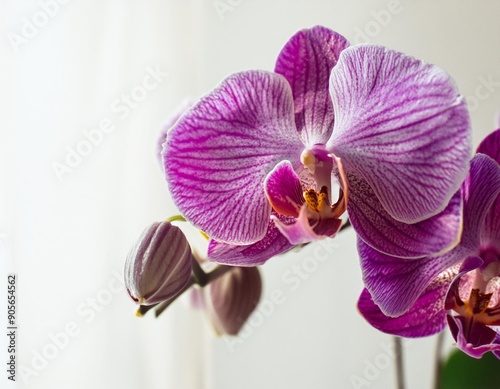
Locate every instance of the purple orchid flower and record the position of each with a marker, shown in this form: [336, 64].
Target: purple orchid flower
[254, 162]
[416, 298]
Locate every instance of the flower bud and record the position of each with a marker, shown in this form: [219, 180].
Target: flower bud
[159, 265]
[231, 299]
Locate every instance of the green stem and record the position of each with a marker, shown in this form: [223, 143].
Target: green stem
[438, 363]
[176, 218]
[398, 350]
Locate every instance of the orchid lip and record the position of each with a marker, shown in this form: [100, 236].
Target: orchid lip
[314, 216]
[320, 164]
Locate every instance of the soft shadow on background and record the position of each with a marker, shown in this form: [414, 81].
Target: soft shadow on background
[121, 67]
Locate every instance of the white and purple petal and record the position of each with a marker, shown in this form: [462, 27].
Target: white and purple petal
[395, 283]
[284, 189]
[306, 230]
[401, 125]
[379, 230]
[273, 243]
[491, 230]
[477, 342]
[481, 190]
[306, 61]
[218, 154]
[425, 317]
[171, 120]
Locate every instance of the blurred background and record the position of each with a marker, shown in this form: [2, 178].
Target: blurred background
[72, 202]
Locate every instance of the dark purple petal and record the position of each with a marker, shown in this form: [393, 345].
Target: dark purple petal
[478, 342]
[401, 125]
[306, 61]
[426, 317]
[382, 232]
[284, 189]
[480, 191]
[491, 146]
[272, 244]
[217, 155]
[396, 283]
[491, 230]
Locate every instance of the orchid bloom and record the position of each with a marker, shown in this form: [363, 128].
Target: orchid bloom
[417, 297]
[253, 163]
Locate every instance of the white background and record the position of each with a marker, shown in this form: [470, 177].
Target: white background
[66, 239]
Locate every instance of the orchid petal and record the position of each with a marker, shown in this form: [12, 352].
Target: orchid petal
[396, 283]
[284, 189]
[171, 120]
[306, 61]
[217, 155]
[491, 146]
[491, 230]
[400, 125]
[484, 338]
[481, 189]
[255, 254]
[425, 317]
[387, 235]
[302, 232]
[458, 288]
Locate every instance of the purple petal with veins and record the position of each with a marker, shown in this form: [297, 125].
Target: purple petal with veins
[306, 62]
[172, 119]
[284, 189]
[255, 254]
[395, 283]
[401, 125]
[382, 232]
[218, 154]
[302, 231]
[491, 146]
[481, 190]
[479, 342]
[425, 317]
[491, 230]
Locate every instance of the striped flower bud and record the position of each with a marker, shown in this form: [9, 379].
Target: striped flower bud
[232, 298]
[159, 265]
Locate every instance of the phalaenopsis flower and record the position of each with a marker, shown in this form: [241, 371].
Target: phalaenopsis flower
[462, 287]
[255, 162]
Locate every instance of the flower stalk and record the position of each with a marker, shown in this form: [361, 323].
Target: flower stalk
[398, 351]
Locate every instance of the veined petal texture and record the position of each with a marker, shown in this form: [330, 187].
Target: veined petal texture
[306, 62]
[218, 154]
[401, 125]
[381, 231]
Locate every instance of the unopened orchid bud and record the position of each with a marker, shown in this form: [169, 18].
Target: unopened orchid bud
[231, 299]
[159, 265]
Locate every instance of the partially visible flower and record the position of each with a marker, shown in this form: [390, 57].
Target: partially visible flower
[253, 163]
[230, 299]
[159, 265]
[416, 297]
